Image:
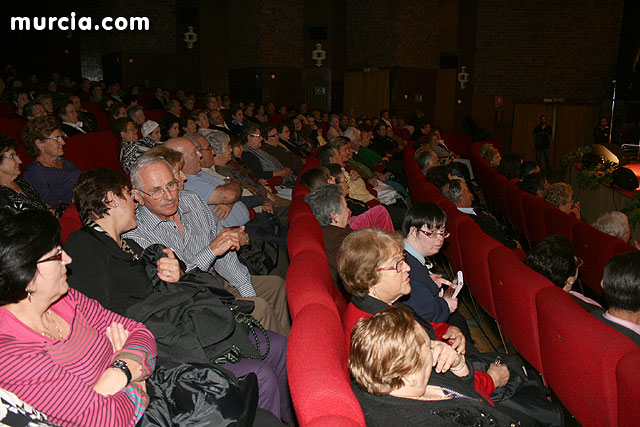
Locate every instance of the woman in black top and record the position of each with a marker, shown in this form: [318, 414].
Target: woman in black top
[14, 191]
[391, 361]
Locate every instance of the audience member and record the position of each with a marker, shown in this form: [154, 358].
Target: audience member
[621, 287]
[534, 183]
[615, 224]
[131, 148]
[52, 175]
[169, 127]
[560, 195]
[527, 167]
[510, 166]
[15, 191]
[555, 259]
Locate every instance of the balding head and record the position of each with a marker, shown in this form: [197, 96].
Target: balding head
[189, 152]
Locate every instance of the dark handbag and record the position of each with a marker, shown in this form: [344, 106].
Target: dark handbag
[196, 320]
[197, 394]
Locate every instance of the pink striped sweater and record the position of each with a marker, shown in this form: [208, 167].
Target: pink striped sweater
[57, 377]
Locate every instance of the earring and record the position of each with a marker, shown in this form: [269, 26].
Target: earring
[115, 204]
[373, 291]
[29, 296]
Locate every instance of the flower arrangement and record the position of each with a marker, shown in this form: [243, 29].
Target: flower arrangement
[632, 210]
[592, 177]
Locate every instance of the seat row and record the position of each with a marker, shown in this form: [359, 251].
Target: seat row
[590, 366]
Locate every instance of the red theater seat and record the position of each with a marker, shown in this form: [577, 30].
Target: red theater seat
[558, 222]
[580, 356]
[515, 287]
[514, 196]
[628, 390]
[317, 369]
[533, 208]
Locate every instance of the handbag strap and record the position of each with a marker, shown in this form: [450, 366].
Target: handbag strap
[235, 354]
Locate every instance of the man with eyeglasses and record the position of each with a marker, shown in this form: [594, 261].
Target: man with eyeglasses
[182, 221]
[222, 197]
[457, 191]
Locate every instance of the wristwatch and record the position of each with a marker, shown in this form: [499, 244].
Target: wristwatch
[122, 365]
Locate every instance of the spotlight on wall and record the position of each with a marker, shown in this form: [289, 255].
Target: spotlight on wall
[130, 60]
[459, 101]
[273, 76]
[405, 95]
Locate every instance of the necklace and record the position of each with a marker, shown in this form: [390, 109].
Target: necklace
[58, 329]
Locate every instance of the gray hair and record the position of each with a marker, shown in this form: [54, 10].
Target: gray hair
[613, 223]
[193, 137]
[351, 133]
[339, 141]
[426, 157]
[325, 201]
[218, 139]
[142, 163]
[452, 190]
[131, 111]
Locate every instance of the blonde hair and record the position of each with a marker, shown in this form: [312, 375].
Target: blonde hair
[384, 349]
[558, 194]
[361, 253]
[174, 158]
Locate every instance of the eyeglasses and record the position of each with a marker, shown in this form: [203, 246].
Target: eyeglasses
[56, 138]
[435, 234]
[255, 135]
[158, 193]
[205, 149]
[275, 135]
[12, 156]
[397, 267]
[56, 257]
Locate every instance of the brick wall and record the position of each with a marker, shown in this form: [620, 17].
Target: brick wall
[417, 22]
[281, 25]
[534, 49]
[372, 32]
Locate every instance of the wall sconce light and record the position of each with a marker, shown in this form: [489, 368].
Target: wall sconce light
[190, 37]
[273, 76]
[318, 55]
[459, 101]
[463, 77]
[130, 60]
[405, 95]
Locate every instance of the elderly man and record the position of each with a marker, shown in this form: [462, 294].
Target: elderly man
[89, 121]
[621, 287]
[221, 196]
[217, 122]
[457, 191]
[136, 113]
[426, 159]
[181, 221]
[70, 123]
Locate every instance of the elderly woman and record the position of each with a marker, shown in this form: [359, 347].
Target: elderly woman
[555, 259]
[50, 174]
[334, 127]
[374, 270]
[60, 351]
[424, 231]
[492, 156]
[14, 191]
[391, 361]
[107, 267]
[560, 195]
[131, 148]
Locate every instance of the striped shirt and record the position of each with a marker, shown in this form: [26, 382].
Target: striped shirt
[200, 228]
[57, 377]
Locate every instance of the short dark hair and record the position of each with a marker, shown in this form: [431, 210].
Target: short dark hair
[113, 108]
[527, 167]
[7, 143]
[28, 108]
[25, 237]
[61, 110]
[325, 153]
[621, 281]
[554, 258]
[532, 183]
[510, 165]
[90, 192]
[425, 213]
[316, 177]
[120, 125]
[167, 123]
[439, 176]
[247, 129]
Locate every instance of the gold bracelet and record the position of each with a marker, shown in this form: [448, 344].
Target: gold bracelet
[461, 365]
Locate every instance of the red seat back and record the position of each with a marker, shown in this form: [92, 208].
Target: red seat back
[452, 245]
[514, 196]
[69, 221]
[155, 115]
[628, 382]
[515, 287]
[558, 222]
[317, 370]
[475, 247]
[596, 249]
[533, 208]
[580, 355]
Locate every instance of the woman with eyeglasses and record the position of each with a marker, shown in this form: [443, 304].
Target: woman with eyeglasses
[373, 267]
[52, 175]
[61, 352]
[424, 231]
[555, 258]
[391, 361]
[15, 191]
